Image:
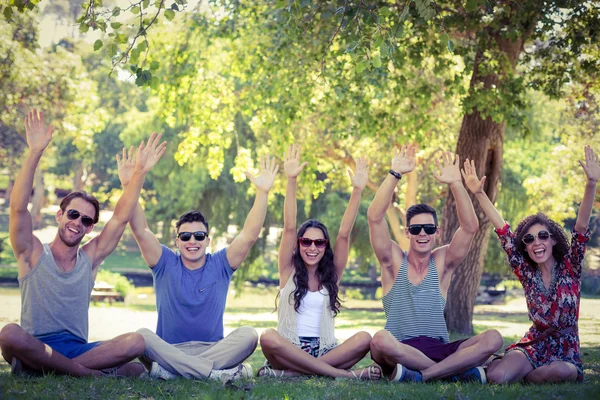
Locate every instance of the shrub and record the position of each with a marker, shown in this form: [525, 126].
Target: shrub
[122, 285]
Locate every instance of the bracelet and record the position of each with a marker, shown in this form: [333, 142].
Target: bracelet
[396, 175]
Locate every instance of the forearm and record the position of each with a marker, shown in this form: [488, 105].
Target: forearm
[129, 199]
[138, 222]
[24, 183]
[382, 199]
[350, 214]
[256, 217]
[489, 210]
[289, 205]
[585, 209]
[464, 207]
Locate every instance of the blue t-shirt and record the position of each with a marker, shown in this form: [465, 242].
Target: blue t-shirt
[191, 303]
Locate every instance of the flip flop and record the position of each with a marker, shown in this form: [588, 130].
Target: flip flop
[370, 371]
[270, 372]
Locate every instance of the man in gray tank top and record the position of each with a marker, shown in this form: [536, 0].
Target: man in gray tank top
[56, 278]
[414, 345]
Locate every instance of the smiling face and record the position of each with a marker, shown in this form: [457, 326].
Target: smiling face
[421, 242]
[71, 232]
[192, 250]
[312, 255]
[540, 251]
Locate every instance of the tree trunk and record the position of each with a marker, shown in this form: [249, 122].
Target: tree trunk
[78, 176]
[480, 140]
[37, 201]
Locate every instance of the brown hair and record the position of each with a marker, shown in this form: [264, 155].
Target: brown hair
[82, 194]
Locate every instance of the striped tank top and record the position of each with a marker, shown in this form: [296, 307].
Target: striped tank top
[412, 311]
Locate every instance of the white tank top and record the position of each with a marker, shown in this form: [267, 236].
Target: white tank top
[309, 314]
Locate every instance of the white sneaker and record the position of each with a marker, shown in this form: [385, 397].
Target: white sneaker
[158, 372]
[231, 374]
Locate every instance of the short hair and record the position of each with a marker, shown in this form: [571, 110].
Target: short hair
[559, 250]
[192, 216]
[420, 209]
[81, 194]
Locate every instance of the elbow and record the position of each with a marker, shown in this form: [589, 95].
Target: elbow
[471, 228]
[373, 216]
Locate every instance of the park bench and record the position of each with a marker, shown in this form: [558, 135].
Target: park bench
[103, 291]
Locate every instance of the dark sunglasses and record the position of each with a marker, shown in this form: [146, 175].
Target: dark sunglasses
[528, 238]
[85, 220]
[199, 236]
[415, 229]
[306, 242]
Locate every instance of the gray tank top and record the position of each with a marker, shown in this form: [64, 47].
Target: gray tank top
[54, 301]
[412, 311]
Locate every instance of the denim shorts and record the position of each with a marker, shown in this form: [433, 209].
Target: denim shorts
[67, 344]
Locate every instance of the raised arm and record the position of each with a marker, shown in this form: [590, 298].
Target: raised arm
[342, 244]
[147, 242]
[241, 245]
[403, 162]
[449, 173]
[102, 245]
[591, 167]
[26, 247]
[476, 187]
[292, 168]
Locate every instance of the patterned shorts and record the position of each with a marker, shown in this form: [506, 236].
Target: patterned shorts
[311, 345]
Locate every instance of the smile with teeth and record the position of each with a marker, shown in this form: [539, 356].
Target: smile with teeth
[73, 230]
[422, 241]
[312, 255]
[539, 252]
[192, 249]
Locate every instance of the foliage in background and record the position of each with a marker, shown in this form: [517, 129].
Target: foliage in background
[120, 282]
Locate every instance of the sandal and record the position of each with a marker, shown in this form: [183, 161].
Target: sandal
[270, 372]
[370, 373]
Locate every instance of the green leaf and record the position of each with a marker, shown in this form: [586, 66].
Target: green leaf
[98, 45]
[376, 61]
[154, 82]
[116, 11]
[383, 49]
[135, 10]
[169, 14]
[8, 12]
[116, 25]
[154, 65]
[361, 66]
[174, 7]
[450, 46]
[471, 5]
[352, 46]
[143, 46]
[146, 3]
[84, 27]
[111, 50]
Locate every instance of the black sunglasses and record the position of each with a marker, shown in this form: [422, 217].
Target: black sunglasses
[199, 236]
[306, 242]
[85, 220]
[528, 238]
[415, 229]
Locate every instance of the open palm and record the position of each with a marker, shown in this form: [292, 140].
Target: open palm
[470, 174]
[448, 169]
[126, 165]
[404, 160]
[268, 171]
[38, 136]
[291, 161]
[361, 177]
[591, 166]
[147, 156]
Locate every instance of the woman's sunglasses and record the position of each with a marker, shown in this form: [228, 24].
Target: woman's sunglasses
[415, 229]
[528, 238]
[306, 242]
[199, 236]
[85, 220]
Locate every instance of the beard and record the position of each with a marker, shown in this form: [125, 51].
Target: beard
[62, 233]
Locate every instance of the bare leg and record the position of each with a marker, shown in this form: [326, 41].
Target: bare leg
[37, 356]
[471, 353]
[555, 372]
[387, 351]
[513, 367]
[350, 352]
[284, 355]
[115, 352]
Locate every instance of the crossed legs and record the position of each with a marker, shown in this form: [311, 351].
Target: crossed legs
[515, 366]
[387, 352]
[284, 355]
[37, 356]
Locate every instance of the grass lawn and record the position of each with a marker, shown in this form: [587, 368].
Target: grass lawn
[255, 307]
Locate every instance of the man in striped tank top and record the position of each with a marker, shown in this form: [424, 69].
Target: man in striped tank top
[414, 347]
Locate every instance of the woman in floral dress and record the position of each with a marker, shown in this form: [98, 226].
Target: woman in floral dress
[550, 271]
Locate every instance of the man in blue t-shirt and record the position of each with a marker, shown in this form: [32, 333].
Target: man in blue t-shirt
[191, 290]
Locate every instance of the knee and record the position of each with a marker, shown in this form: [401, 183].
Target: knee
[269, 339]
[380, 342]
[363, 341]
[563, 371]
[491, 341]
[12, 336]
[145, 332]
[497, 375]
[250, 335]
[134, 345]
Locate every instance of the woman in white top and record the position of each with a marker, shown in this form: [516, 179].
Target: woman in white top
[309, 277]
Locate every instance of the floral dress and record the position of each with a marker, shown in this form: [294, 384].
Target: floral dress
[556, 307]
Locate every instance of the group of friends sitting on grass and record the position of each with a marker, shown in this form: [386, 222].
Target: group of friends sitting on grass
[191, 285]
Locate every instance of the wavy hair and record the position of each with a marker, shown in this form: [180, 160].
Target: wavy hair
[325, 270]
[559, 250]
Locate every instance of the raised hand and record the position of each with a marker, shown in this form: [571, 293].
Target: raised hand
[404, 160]
[147, 156]
[361, 177]
[591, 165]
[38, 136]
[449, 171]
[291, 161]
[268, 170]
[126, 165]
[470, 174]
